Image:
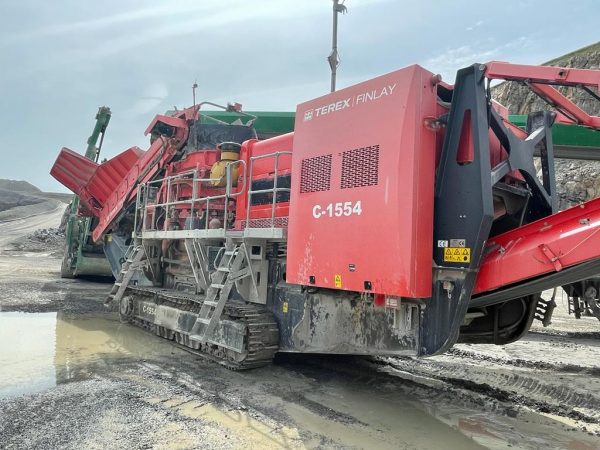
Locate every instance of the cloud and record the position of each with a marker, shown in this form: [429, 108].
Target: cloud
[101, 23]
[452, 59]
[61, 60]
[448, 62]
[477, 24]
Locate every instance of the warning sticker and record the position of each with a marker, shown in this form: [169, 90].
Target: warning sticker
[337, 280]
[285, 307]
[457, 254]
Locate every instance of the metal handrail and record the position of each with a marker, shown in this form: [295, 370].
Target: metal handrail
[194, 199]
[275, 189]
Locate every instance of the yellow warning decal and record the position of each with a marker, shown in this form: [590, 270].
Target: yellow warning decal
[285, 307]
[337, 280]
[457, 254]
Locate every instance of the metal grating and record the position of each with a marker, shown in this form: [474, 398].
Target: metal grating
[278, 222]
[360, 167]
[315, 174]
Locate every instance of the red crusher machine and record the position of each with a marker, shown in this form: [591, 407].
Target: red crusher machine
[403, 215]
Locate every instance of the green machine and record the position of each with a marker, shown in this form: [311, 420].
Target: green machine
[82, 256]
[266, 123]
[570, 141]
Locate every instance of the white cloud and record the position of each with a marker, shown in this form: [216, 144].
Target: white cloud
[477, 24]
[448, 62]
[91, 25]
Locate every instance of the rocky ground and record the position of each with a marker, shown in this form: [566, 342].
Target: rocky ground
[74, 377]
[42, 240]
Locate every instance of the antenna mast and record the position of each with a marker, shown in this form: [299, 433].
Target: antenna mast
[333, 59]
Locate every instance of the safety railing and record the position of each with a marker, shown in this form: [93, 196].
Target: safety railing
[149, 207]
[274, 190]
[153, 189]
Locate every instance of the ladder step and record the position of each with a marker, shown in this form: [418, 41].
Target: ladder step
[210, 303]
[203, 320]
[230, 252]
[224, 269]
[217, 286]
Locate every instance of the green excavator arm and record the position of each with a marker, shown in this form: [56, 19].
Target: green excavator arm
[82, 256]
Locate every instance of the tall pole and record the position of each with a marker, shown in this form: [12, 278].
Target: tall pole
[194, 87]
[333, 59]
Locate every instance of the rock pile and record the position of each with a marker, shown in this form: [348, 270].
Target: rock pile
[48, 235]
[576, 181]
[43, 240]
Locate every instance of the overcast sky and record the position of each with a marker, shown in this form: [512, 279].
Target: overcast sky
[60, 60]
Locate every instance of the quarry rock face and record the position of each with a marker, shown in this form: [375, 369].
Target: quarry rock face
[576, 181]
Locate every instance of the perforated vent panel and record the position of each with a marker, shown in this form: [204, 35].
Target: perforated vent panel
[360, 167]
[315, 174]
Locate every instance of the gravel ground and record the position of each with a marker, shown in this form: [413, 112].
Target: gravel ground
[50, 240]
[74, 377]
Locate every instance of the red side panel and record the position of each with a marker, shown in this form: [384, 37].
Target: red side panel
[93, 182]
[361, 210]
[73, 170]
[264, 168]
[111, 173]
[548, 245]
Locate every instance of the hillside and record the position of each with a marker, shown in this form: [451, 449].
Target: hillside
[11, 199]
[20, 193]
[19, 186]
[576, 181]
[521, 100]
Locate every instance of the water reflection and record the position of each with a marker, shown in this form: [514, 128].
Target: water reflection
[40, 350]
[27, 343]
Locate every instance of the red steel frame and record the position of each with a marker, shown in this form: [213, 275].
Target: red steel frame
[558, 241]
[548, 245]
[541, 80]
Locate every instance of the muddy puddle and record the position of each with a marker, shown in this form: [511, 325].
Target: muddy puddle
[293, 404]
[40, 350]
[387, 415]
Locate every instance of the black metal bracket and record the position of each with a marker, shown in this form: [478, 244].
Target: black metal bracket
[463, 203]
[463, 210]
[521, 158]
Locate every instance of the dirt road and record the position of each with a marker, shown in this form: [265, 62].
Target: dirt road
[73, 376]
[30, 218]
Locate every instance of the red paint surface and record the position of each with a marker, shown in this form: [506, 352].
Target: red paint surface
[572, 235]
[390, 243]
